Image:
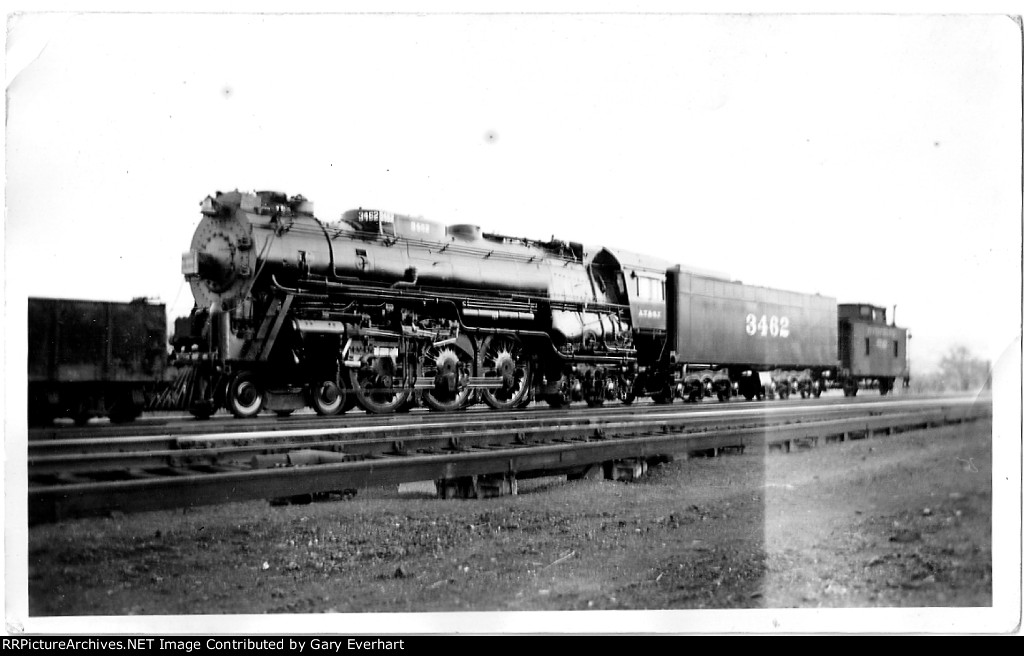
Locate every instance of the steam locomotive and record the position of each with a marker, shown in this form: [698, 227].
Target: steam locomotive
[386, 311]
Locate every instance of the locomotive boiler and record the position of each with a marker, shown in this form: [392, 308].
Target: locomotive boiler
[380, 309]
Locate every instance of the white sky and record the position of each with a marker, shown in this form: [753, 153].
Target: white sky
[870, 158]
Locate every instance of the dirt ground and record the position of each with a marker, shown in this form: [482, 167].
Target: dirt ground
[899, 521]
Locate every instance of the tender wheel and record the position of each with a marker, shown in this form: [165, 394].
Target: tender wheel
[245, 396]
[596, 387]
[450, 368]
[327, 397]
[505, 357]
[373, 386]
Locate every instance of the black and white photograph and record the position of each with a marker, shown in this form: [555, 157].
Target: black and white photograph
[391, 320]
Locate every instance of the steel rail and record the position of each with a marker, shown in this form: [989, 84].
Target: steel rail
[165, 427]
[647, 440]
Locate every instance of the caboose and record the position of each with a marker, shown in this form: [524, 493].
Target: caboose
[872, 353]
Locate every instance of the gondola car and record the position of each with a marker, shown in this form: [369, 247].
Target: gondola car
[93, 358]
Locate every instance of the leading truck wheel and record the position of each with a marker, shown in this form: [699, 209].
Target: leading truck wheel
[327, 397]
[245, 396]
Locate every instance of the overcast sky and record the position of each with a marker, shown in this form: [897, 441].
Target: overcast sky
[870, 158]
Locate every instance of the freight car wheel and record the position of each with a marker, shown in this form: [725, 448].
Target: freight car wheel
[505, 357]
[328, 398]
[244, 396]
[373, 388]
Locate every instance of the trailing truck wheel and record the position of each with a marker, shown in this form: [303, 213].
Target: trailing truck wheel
[562, 396]
[327, 397]
[504, 357]
[244, 396]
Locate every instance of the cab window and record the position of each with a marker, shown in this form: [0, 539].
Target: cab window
[650, 289]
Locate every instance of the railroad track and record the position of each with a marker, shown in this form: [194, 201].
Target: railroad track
[180, 425]
[77, 477]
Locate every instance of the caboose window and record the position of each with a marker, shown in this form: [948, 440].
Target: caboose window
[867, 346]
[896, 348]
[865, 311]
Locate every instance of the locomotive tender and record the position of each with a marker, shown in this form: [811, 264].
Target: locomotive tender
[383, 311]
